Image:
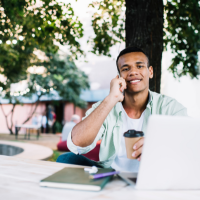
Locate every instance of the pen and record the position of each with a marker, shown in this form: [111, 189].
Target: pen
[103, 175]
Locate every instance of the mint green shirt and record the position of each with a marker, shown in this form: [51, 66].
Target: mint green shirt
[110, 130]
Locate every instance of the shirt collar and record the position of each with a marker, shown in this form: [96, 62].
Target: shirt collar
[149, 104]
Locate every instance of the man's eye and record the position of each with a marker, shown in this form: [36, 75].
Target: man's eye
[140, 66]
[124, 69]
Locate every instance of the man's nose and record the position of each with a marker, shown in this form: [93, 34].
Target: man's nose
[133, 71]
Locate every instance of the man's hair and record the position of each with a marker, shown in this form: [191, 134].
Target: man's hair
[130, 50]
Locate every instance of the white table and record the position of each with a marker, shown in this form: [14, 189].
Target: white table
[19, 179]
[28, 127]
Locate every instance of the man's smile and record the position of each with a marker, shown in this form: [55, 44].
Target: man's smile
[135, 81]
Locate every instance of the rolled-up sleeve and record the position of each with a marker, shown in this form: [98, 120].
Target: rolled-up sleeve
[83, 150]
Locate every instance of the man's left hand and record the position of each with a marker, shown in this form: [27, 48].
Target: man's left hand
[138, 149]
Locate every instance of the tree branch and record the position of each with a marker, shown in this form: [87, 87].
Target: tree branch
[36, 105]
[12, 111]
[6, 116]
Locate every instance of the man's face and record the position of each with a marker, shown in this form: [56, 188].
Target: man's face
[133, 67]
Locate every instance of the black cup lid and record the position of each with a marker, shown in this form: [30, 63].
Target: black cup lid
[133, 133]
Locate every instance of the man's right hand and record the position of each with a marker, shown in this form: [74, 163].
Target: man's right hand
[85, 132]
[117, 86]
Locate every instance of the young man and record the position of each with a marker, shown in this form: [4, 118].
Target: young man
[128, 106]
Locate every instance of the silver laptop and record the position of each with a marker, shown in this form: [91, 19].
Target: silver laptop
[171, 155]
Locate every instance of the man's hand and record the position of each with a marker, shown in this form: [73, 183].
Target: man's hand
[83, 134]
[117, 87]
[138, 149]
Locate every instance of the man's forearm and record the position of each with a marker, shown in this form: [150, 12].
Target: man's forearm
[84, 133]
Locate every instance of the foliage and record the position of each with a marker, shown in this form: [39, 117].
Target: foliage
[181, 32]
[60, 75]
[29, 26]
[108, 25]
[58, 127]
[30, 35]
[183, 35]
[55, 156]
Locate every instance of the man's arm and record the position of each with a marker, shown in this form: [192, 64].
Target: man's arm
[84, 133]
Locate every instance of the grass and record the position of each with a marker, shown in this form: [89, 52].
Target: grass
[55, 155]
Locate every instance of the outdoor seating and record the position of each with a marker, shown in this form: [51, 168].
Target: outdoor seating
[29, 129]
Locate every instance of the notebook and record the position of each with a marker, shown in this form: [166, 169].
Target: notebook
[77, 179]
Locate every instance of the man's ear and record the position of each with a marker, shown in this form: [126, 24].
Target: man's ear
[150, 72]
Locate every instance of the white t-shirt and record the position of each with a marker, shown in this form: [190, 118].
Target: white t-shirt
[121, 162]
[44, 121]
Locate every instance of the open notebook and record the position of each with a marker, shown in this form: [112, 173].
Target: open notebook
[77, 179]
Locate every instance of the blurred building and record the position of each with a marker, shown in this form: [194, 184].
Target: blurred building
[63, 109]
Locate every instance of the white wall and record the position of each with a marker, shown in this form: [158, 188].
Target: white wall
[185, 90]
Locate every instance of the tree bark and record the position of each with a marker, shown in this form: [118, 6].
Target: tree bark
[30, 116]
[6, 117]
[144, 29]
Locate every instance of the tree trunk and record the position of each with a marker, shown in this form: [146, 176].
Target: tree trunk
[6, 117]
[144, 29]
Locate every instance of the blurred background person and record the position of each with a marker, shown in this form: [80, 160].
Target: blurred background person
[53, 122]
[35, 119]
[68, 126]
[44, 122]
